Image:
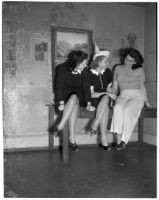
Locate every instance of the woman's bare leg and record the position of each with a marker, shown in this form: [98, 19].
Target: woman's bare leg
[103, 127]
[101, 109]
[69, 107]
[72, 122]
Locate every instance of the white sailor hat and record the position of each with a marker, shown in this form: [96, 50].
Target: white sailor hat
[101, 53]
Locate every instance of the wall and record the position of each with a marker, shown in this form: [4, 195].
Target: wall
[28, 83]
[150, 125]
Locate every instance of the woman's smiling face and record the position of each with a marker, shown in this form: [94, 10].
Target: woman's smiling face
[103, 63]
[129, 60]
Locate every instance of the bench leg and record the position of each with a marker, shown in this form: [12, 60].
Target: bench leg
[51, 141]
[140, 130]
[65, 150]
[51, 121]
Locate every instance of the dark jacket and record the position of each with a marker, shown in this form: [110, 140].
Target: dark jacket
[99, 82]
[67, 83]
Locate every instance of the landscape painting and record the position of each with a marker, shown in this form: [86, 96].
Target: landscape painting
[66, 40]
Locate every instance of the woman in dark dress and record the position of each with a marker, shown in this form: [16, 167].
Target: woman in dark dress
[98, 80]
[69, 92]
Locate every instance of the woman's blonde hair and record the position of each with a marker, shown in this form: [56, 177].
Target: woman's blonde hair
[95, 63]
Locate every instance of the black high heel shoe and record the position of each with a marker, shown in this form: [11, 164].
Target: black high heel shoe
[106, 148]
[121, 146]
[114, 145]
[58, 133]
[92, 132]
[73, 146]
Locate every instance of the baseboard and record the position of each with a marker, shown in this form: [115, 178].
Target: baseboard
[28, 141]
[41, 141]
[150, 139]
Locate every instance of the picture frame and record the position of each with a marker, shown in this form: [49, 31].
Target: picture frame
[39, 50]
[9, 45]
[65, 39]
[9, 52]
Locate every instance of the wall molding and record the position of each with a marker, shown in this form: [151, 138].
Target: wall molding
[42, 141]
[150, 139]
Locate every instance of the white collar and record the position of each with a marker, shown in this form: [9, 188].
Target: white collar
[97, 73]
[76, 71]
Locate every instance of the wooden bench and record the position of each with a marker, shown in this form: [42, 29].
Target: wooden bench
[145, 113]
[83, 113]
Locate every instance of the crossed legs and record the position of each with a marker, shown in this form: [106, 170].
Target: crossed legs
[70, 113]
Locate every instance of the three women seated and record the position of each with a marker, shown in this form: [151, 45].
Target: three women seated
[94, 88]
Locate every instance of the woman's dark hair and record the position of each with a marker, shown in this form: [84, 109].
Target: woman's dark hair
[75, 57]
[95, 63]
[135, 54]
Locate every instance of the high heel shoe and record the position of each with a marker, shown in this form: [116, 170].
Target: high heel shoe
[58, 133]
[121, 146]
[107, 148]
[92, 132]
[114, 145]
[73, 146]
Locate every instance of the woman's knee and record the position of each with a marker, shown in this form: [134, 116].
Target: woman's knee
[132, 106]
[118, 108]
[105, 101]
[74, 99]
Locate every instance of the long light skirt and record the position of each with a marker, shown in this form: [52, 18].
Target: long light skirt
[126, 113]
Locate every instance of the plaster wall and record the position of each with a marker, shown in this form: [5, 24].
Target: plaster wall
[27, 88]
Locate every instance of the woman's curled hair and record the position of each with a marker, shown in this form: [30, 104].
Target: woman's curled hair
[75, 57]
[135, 54]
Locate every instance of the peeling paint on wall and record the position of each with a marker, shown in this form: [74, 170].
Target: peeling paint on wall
[67, 14]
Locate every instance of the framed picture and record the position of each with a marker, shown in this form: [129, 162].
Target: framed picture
[39, 49]
[9, 52]
[66, 39]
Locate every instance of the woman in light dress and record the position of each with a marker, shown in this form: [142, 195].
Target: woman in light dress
[129, 79]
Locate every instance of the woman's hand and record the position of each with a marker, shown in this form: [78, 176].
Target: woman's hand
[149, 105]
[109, 89]
[111, 95]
